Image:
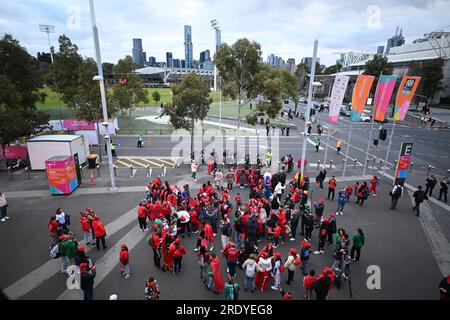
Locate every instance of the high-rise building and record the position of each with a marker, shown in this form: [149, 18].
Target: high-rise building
[183, 64]
[188, 47]
[144, 57]
[169, 59]
[380, 49]
[138, 52]
[396, 41]
[176, 63]
[308, 62]
[291, 65]
[205, 56]
[152, 61]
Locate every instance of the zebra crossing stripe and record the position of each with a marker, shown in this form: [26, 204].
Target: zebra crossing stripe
[151, 162]
[137, 162]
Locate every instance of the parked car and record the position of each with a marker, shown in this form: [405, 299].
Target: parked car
[365, 117]
[344, 112]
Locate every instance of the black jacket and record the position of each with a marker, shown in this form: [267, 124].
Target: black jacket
[321, 287]
[87, 280]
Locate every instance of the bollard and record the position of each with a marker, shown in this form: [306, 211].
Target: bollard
[163, 171]
[381, 164]
[81, 171]
[318, 164]
[98, 171]
[149, 172]
[367, 163]
[115, 171]
[178, 165]
[131, 171]
[355, 162]
[448, 172]
[10, 173]
[374, 161]
[27, 171]
[429, 169]
[331, 164]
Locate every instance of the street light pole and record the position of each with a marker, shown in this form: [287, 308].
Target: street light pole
[48, 29]
[308, 110]
[216, 27]
[100, 80]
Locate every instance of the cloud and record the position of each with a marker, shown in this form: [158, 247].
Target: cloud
[286, 28]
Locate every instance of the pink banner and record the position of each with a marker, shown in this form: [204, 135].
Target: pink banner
[73, 124]
[383, 96]
[13, 152]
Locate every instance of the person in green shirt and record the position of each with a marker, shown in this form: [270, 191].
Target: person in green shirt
[231, 289]
[358, 243]
[67, 250]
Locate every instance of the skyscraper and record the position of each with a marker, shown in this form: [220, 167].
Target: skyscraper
[380, 49]
[308, 62]
[205, 56]
[395, 41]
[152, 61]
[169, 60]
[138, 52]
[144, 57]
[188, 48]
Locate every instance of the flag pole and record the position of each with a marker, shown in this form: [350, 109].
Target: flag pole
[389, 146]
[371, 128]
[329, 129]
[348, 147]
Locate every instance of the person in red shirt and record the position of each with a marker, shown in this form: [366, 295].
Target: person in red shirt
[194, 221]
[142, 217]
[155, 211]
[349, 191]
[154, 241]
[209, 235]
[373, 185]
[308, 284]
[86, 229]
[99, 232]
[53, 227]
[124, 259]
[332, 183]
[287, 296]
[177, 251]
[231, 254]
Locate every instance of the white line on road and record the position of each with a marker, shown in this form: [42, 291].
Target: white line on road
[440, 247]
[36, 277]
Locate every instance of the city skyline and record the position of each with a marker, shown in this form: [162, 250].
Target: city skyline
[286, 28]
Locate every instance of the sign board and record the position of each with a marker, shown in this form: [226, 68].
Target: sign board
[403, 163]
[13, 152]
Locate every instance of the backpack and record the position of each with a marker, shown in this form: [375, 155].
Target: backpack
[251, 270]
[297, 261]
[398, 191]
[54, 252]
[150, 241]
[305, 254]
[281, 267]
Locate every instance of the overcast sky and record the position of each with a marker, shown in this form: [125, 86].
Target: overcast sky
[286, 28]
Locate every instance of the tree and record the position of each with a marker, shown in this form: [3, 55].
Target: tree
[128, 89]
[238, 66]
[432, 76]
[290, 87]
[19, 91]
[156, 96]
[190, 103]
[301, 72]
[332, 69]
[379, 64]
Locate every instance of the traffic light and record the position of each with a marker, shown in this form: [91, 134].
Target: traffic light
[383, 134]
[375, 142]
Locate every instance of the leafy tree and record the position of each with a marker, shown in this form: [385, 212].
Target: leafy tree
[190, 103]
[432, 76]
[290, 87]
[332, 69]
[19, 91]
[156, 96]
[379, 64]
[238, 66]
[301, 72]
[128, 89]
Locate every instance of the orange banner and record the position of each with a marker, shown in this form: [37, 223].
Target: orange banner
[405, 95]
[361, 92]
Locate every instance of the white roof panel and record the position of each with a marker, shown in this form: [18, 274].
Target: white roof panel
[55, 138]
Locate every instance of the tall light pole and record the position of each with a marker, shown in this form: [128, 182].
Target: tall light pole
[101, 82]
[215, 25]
[48, 29]
[308, 110]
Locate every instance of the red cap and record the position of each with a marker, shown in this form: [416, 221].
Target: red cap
[306, 244]
[177, 240]
[83, 267]
[62, 237]
[123, 245]
[81, 248]
[321, 201]
[331, 215]
[293, 251]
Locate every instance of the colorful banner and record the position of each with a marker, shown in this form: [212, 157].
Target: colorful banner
[403, 163]
[361, 92]
[72, 124]
[405, 95]
[337, 96]
[13, 152]
[383, 96]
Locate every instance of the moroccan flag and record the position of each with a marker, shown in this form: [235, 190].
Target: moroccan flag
[383, 95]
[360, 94]
[405, 95]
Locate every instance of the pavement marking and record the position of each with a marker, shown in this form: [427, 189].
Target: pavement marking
[140, 164]
[314, 144]
[108, 262]
[122, 163]
[36, 277]
[437, 240]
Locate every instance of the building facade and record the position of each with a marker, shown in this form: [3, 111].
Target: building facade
[188, 46]
[138, 52]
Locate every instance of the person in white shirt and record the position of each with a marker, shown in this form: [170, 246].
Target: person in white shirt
[3, 206]
[276, 272]
[250, 272]
[279, 190]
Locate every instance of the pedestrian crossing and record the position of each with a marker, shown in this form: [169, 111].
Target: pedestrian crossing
[144, 162]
